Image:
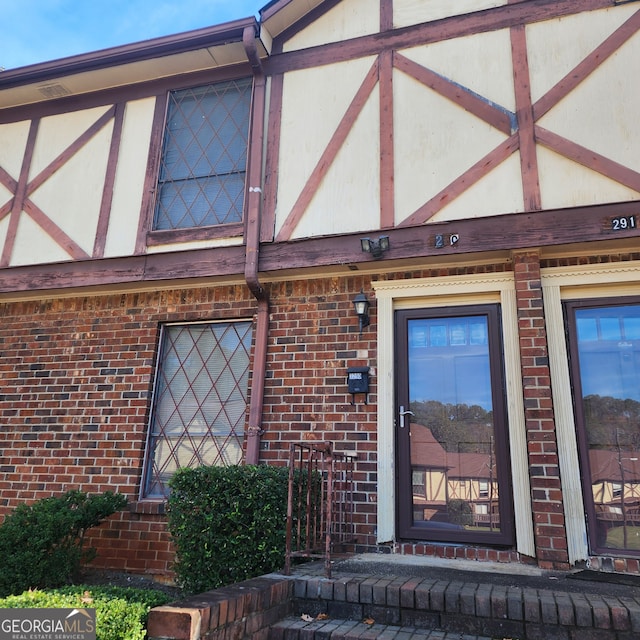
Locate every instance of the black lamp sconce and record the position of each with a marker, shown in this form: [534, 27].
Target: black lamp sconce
[361, 305]
[375, 247]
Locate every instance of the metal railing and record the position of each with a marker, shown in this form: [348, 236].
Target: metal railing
[320, 503]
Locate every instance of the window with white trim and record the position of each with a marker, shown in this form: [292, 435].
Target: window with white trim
[199, 400]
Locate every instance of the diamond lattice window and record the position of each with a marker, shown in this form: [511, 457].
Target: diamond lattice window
[204, 156]
[200, 400]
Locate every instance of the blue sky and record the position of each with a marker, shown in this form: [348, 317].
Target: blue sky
[36, 31]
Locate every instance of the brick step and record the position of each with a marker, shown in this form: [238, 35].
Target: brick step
[298, 629]
[465, 604]
[430, 603]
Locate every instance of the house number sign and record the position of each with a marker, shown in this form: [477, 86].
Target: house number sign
[623, 223]
[442, 241]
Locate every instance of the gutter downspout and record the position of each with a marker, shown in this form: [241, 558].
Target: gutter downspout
[252, 254]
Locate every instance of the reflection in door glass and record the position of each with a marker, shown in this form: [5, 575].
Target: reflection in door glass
[453, 458]
[609, 359]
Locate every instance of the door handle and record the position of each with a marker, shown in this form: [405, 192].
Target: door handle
[404, 413]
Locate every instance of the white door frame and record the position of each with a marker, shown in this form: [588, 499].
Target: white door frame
[438, 292]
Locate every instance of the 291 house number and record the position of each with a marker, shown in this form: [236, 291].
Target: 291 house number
[622, 223]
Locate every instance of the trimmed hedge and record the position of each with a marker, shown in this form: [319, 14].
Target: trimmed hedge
[121, 613]
[228, 523]
[42, 544]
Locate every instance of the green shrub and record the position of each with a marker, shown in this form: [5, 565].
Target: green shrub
[228, 523]
[121, 613]
[460, 512]
[42, 544]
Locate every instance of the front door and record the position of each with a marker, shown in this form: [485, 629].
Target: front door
[453, 457]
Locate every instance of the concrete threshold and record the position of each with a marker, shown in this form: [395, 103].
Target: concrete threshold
[365, 562]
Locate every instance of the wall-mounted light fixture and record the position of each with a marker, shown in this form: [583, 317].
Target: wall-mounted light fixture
[375, 247]
[361, 305]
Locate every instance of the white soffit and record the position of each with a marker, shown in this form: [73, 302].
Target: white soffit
[283, 14]
[99, 75]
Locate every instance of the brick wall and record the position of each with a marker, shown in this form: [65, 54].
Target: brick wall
[76, 378]
[544, 469]
[75, 388]
[313, 340]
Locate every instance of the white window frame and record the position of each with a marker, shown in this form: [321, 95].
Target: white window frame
[575, 283]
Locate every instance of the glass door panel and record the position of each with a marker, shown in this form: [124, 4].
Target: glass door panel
[453, 462]
[605, 347]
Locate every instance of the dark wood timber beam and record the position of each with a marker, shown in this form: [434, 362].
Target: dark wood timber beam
[503, 17]
[477, 235]
[474, 235]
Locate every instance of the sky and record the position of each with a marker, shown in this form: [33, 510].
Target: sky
[36, 31]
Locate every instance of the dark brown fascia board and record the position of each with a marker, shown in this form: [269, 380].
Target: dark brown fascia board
[146, 50]
[271, 8]
[476, 236]
[293, 23]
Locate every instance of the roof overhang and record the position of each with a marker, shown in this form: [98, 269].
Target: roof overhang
[197, 50]
[279, 15]
[203, 49]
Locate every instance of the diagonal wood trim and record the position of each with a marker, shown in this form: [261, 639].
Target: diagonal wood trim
[5, 209]
[330, 153]
[52, 229]
[472, 175]
[387, 166]
[597, 57]
[20, 194]
[71, 150]
[110, 177]
[7, 181]
[524, 114]
[502, 17]
[588, 158]
[474, 104]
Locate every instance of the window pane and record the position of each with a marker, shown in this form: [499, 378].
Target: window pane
[201, 202]
[204, 156]
[609, 367]
[452, 445]
[200, 400]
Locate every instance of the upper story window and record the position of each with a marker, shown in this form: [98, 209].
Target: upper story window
[204, 156]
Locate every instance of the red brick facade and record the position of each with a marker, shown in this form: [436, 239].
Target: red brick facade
[77, 378]
[544, 469]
